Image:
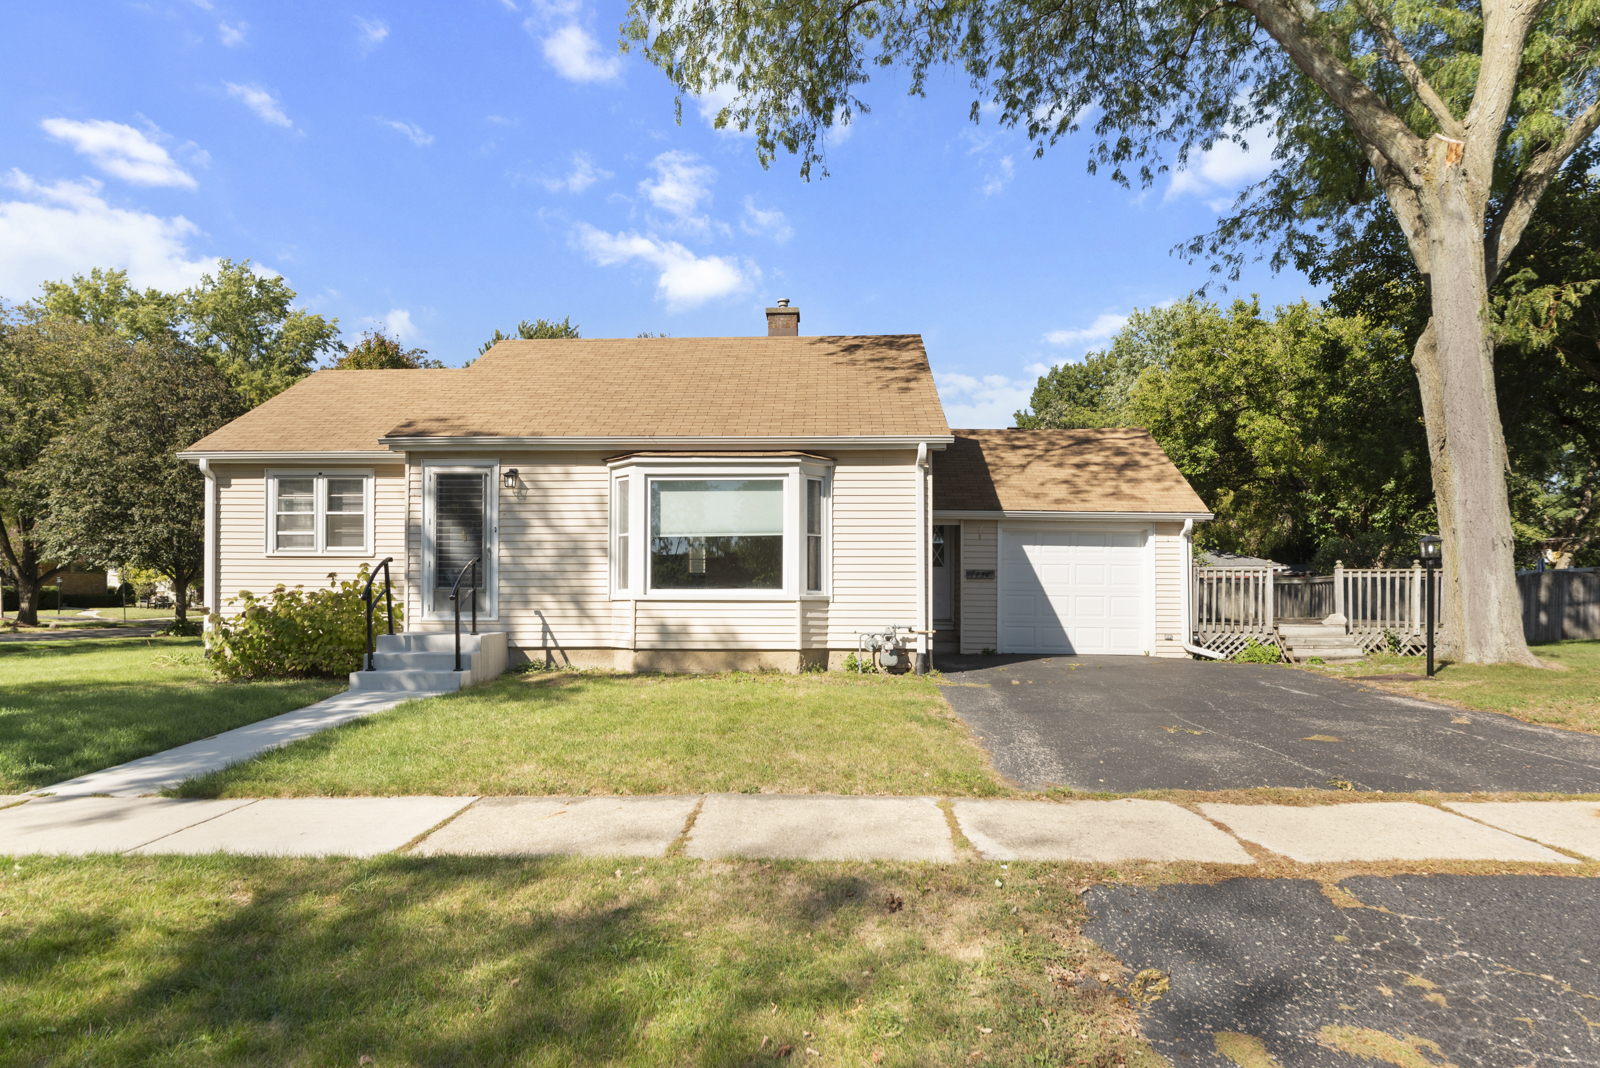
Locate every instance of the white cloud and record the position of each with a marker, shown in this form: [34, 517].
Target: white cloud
[1104, 326]
[681, 183]
[57, 230]
[417, 134]
[765, 222]
[685, 281]
[979, 403]
[232, 36]
[398, 323]
[584, 174]
[372, 32]
[258, 100]
[1225, 166]
[577, 56]
[997, 181]
[120, 151]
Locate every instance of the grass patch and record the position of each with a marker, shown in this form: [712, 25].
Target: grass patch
[579, 733]
[403, 961]
[135, 612]
[77, 706]
[1567, 698]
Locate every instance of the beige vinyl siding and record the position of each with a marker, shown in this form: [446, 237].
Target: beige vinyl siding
[813, 624]
[243, 562]
[716, 625]
[1169, 590]
[874, 558]
[980, 543]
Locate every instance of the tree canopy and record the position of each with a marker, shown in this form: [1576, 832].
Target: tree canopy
[377, 351]
[538, 330]
[241, 321]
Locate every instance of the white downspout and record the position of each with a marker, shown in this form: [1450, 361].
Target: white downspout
[924, 561]
[209, 590]
[1188, 594]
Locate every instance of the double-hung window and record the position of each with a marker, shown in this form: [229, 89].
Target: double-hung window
[813, 535]
[619, 508]
[321, 512]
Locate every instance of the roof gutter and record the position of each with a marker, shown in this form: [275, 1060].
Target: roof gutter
[485, 443]
[370, 456]
[1141, 517]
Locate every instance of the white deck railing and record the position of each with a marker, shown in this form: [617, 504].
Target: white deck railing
[1381, 606]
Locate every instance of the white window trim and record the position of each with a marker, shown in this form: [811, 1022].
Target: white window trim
[319, 524]
[791, 470]
[491, 555]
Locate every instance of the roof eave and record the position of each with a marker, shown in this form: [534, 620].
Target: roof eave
[246, 456]
[419, 443]
[1109, 516]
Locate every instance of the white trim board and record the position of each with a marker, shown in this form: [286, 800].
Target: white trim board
[1078, 517]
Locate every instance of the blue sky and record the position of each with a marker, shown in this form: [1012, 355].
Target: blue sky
[443, 170]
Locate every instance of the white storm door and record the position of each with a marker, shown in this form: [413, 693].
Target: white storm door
[460, 524]
[1073, 591]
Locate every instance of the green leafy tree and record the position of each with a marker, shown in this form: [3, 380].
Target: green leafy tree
[241, 321]
[119, 496]
[1297, 429]
[379, 352]
[1453, 115]
[48, 373]
[538, 330]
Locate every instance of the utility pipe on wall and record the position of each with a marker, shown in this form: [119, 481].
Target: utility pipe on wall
[1188, 595]
[924, 560]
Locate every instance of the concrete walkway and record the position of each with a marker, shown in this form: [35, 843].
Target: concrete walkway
[152, 774]
[808, 827]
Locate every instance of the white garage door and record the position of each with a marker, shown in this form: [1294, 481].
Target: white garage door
[1072, 591]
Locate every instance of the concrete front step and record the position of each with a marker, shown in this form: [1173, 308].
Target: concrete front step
[426, 661]
[410, 681]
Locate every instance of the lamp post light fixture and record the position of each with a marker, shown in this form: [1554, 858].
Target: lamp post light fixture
[1430, 546]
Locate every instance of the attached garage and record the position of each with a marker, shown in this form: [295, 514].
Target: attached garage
[1065, 542]
[1074, 591]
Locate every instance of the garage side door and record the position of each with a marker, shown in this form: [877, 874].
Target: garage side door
[1066, 591]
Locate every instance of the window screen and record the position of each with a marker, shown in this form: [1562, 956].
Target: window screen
[722, 534]
[297, 514]
[458, 525]
[346, 519]
[813, 533]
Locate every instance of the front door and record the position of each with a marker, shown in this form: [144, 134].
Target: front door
[460, 525]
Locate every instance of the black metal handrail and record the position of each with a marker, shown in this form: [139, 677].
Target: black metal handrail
[455, 595]
[388, 597]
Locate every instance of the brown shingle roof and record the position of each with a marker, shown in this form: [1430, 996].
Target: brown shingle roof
[330, 411]
[1118, 470]
[793, 387]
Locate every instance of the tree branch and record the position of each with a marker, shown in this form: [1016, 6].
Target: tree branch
[1517, 210]
[1403, 202]
[1374, 122]
[1412, 73]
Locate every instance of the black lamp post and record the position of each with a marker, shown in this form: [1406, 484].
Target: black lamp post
[1429, 545]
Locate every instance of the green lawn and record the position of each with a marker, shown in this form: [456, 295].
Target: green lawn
[135, 612]
[75, 706]
[576, 733]
[1559, 698]
[401, 961]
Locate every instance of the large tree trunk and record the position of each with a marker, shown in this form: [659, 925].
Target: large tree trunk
[180, 597]
[1454, 360]
[28, 591]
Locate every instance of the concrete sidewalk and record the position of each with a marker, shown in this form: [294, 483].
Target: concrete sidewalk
[154, 773]
[808, 827]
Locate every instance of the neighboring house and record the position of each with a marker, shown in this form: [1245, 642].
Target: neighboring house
[702, 503]
[1219, 559]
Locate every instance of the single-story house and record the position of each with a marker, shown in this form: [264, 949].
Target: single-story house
[703, 503]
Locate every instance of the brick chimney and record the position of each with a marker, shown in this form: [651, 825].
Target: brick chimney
[783, 321]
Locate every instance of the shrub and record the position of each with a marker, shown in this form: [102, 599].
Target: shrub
[291, 633]
[853, 662]
[1256, 653]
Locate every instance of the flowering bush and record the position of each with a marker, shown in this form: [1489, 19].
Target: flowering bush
[294, 633]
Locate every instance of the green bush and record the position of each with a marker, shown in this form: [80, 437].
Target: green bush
[860, 663]
[291, 633]
[1256, 653]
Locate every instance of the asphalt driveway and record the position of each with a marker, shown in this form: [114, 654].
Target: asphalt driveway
[1122, 724]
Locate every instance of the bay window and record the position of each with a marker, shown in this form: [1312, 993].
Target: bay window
[322, 512]
[719, 529]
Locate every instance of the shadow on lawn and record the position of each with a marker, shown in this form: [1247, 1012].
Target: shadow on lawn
[424, 961]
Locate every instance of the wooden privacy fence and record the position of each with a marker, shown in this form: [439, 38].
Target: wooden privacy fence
[1560, 605]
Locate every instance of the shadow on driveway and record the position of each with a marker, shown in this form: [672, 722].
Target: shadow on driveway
[1122, 723]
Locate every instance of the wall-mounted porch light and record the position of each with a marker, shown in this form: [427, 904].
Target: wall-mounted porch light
[510, 478]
